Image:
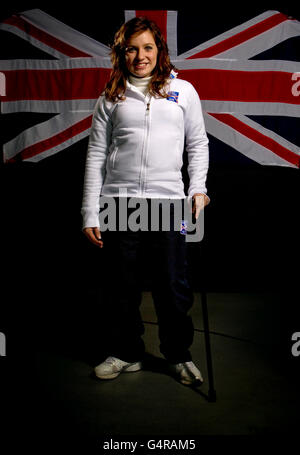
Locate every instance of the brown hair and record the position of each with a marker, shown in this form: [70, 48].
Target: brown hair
[116, 86]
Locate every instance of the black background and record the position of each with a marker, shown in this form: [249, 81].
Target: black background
[251, 226]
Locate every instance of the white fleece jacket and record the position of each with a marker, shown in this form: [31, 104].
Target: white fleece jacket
[136, 147]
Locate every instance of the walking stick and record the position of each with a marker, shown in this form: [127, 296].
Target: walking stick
[212, 397]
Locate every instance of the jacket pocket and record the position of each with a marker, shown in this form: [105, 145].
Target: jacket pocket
[179, 155]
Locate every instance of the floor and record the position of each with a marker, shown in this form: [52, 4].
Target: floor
[254, 378]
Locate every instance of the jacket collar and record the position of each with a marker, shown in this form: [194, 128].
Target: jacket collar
[130, 86]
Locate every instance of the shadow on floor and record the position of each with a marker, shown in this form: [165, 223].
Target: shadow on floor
[56, 400]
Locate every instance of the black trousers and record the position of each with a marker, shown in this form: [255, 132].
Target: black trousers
[160, 258]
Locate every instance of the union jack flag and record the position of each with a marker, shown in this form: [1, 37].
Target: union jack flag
[234, 87]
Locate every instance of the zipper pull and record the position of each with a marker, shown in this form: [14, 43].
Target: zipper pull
[148, 106]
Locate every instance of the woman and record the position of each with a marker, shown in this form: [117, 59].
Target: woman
[141, 124]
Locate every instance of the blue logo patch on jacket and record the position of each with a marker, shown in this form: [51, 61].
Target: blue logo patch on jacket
[173, 96]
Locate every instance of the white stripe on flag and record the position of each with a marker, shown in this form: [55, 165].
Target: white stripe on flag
[264, 41]
[63, 32]
[245, 145]
[44, 131]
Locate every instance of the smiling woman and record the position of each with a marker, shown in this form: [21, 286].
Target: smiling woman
[141, 54]
[139, 49]
[141, 124]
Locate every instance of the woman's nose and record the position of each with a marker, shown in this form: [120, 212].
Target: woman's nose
[140, 54]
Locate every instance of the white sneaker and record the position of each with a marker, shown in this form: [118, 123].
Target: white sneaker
[112, 367]
[187, 373]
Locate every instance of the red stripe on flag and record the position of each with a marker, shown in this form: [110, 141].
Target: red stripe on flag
[246, 86]
[241, 37]
[44, 37]
[76, 83]
[157, 16]
[54, 141]
[88, 83]
[258, 137]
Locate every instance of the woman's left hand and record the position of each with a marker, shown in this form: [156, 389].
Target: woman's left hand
[200, 201]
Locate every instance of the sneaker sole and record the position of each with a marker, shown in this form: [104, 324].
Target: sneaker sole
[195, 383]
[129, 369]
[107, 376]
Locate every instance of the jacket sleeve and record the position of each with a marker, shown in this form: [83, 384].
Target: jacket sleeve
[196, 144]
[98, 147]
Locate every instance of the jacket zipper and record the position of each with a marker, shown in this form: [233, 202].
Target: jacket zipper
[145, 148]
[113, 157]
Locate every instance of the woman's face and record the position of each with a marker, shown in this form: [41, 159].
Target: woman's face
[141, 54]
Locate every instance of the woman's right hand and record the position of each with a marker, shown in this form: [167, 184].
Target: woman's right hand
[94, 235]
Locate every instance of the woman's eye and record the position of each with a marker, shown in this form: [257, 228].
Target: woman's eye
[130, 50]
[148, 48]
